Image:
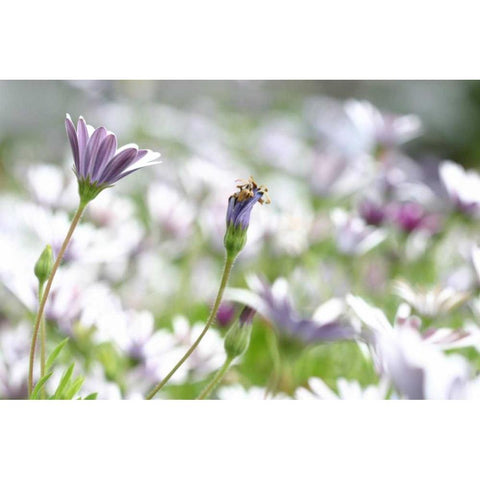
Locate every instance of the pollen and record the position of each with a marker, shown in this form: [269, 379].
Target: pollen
[248, 188]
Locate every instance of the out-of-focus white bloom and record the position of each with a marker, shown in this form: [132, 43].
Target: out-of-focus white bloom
[201, 179]
[50, 186]
[333, 175]
[430, 302]
[353, 236]
[165, 348]
[66, 298]
[449, 339]
[347, 390]
[148, 287]
[209, 355]
[355, 127]
[111, 210]
[292, 235]
[473, 389]
[377, 128]
[417, 244]
[171, 211]
[418, 369]
[131, 331]
[413, 362]
[280, 142]
[14, 358]
[95, 382]
[31, 227]
[463, 186]
[370, 321]
[475, 256]
[237, 392]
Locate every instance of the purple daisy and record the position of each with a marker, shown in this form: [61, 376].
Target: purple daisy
[98, 162]
[273, 302]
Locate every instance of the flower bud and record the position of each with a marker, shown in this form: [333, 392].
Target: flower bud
[44, 265]
[238, 336]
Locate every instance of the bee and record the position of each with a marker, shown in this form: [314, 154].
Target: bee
[247, 189]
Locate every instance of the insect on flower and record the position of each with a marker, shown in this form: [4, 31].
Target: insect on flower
[248, 189]
[240, 206]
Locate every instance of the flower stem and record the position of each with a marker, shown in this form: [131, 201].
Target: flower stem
[223, 283]
[43, 340]
[41, 308]
[216, 379]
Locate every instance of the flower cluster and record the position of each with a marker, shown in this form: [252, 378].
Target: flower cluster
[363, 274]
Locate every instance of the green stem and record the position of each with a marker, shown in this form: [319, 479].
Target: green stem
[41, 308]
[43, 341]
[223, 283]
[216, 379]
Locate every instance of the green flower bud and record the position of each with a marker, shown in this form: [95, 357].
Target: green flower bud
[238, 336]
[234, 240]
[44, 265]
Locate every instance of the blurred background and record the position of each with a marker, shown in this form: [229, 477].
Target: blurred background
[143, 269]
[30, 109]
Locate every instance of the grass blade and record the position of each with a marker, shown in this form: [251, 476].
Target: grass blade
[74, 388]
[55, 353]
[91, 396]
[38, 387]
[63, 382]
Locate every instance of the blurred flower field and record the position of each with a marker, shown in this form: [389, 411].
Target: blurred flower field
[363, 272]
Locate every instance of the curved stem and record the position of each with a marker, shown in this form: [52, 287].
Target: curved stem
[223, 283]
[214, 382]
[41, 308]
[43, 336]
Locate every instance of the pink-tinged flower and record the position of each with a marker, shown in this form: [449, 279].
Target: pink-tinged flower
[412, 216]
[225, 314]
[373, 213]
[98, 162]
[352, 235]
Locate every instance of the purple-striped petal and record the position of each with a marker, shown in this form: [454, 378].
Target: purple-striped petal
[118, 164]
[141, 153]
[92, 150]
[82, 135]
[72, 137]
[105, 153]
[242, 217]
[231, 204]
[98, 163]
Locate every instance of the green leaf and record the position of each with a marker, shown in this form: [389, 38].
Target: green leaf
[91, 396]
[53, 356]
[74, 388]
[38, 387]
[58, 395]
